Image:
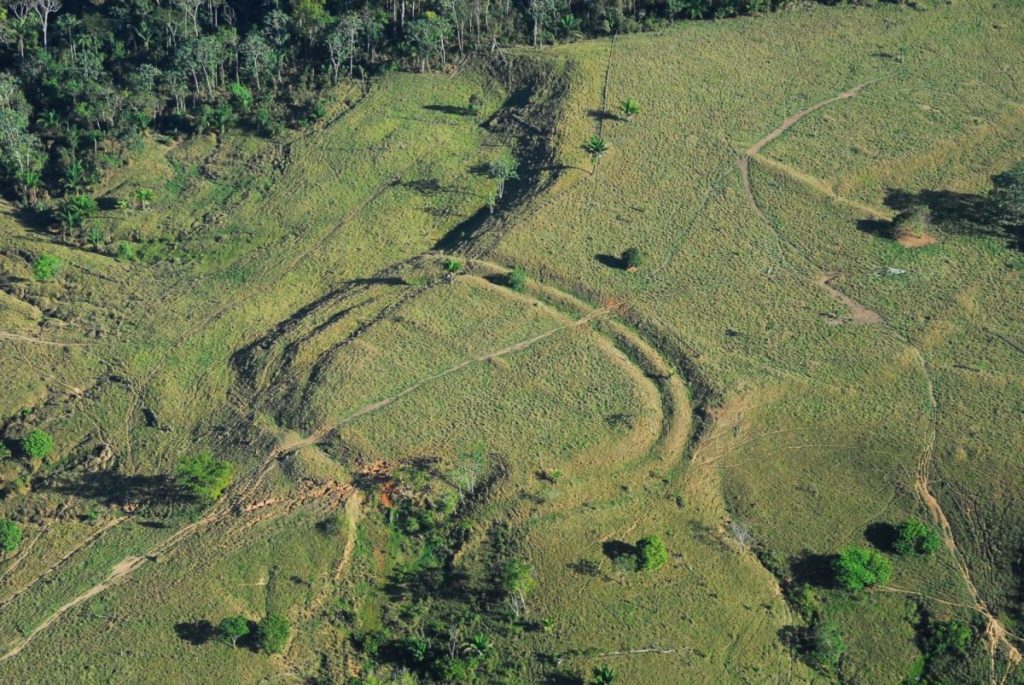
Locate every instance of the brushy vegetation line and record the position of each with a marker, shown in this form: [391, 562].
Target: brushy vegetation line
[84, 81]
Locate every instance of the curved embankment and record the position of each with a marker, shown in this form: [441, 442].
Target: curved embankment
[675, 396]
[646, 363]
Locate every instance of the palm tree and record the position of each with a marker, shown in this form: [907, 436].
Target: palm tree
[595, 147]
[629, 108]
[144, 196]
[603, 675]
[478, 645]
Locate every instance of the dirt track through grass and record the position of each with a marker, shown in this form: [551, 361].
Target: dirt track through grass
[859, 314]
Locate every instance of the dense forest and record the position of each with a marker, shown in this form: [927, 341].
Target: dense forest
[81, 81]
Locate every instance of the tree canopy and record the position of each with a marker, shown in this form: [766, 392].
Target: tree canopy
[858, 567]
[10, 535]
[203, 476]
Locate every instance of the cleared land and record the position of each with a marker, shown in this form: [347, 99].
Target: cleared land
[760, 393]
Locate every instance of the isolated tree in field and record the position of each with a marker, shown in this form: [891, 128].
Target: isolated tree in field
[632, 259]
[860, 567]
[595, 147]
[629, 108]
[38, 444]
[650, 553]
[603, 675]
[10, 535]
[518, 581]
[502, 169]
[916, 537]
[1007, 198]
[204, 476]
[273, 633]
[476, 103]
[46, 267]
[517, 279]
[912, 223]
[232, 629]
[144, 196]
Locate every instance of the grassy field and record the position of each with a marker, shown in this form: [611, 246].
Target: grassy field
[760, 393]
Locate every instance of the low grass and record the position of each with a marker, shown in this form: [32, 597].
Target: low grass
[822, 424]
[288, 313]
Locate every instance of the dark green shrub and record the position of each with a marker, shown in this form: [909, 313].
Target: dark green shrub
[632, 258]
[46, 267]
[273, 632]
[651, 553]
[38, 444]
[825, 646]
[807, 602]
[517, 279]
[452, 265]
[603, 675]
[947, 637]
[916, 537]
[232, 629]
[332, 526]
[10, 535]
[860, 567]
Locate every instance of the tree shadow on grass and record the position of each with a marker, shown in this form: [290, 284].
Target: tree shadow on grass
[450, 109]
[813, 569]
[603, 115]
[615, 549]
[195, 633]
[112, 488]
[959, 213]
[881, 535]
[611, 261]
[876, 227]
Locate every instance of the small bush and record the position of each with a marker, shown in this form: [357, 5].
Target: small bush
[517, 279]
[651, 553]
[273, 632]
[912, 223]
[632, 258]
[916, 537]
[332, 526]
[46, 267]
[38, 444]
[825, 646]
[452, 265]
[807, 602]
[860, 567]
[10, 535]
[125, 251]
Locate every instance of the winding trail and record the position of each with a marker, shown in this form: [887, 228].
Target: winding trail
[996, 635]
[859, 314]
[4, 335]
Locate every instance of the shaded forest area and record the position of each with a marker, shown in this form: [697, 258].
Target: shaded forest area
[81, 81]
